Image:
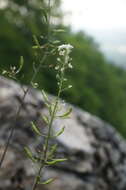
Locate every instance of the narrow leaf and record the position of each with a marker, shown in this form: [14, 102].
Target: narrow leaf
[58, 30]
[45, 15]
[45, 96]
[35, 47]
[60, 132]
[37, 158]
[4, 72]
[52, 151]
[21, 62]
[50, 109]
[47, 181]
[29, 153]
[66, 114]
[56, 42]
[55, 161]
[36, 41]
[45, 118]
[36, 129]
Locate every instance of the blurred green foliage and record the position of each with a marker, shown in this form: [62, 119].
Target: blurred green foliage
[98, 86]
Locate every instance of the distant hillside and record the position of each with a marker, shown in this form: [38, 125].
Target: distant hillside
[113, 44]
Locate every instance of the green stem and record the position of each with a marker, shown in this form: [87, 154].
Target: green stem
[12, 129]
[48, 135]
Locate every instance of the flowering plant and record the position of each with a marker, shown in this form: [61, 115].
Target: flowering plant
[63, 63]
[45, 157]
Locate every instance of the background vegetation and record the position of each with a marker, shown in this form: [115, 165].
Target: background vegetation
[98, 86]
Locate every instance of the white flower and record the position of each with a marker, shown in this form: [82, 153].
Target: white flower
[62, 52]
[70, 86]
[65, 79]
[64, 48]
[57, 76]
[70, 65]
[67, 59]
[58, 59]
[62, 69]
[57, 67]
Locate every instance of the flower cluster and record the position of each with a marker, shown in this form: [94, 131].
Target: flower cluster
[64, 61]
[65, 48]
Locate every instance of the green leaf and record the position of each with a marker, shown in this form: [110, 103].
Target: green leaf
[50, 109]
[47, 181]
[36, 129]
[45, 15]
[45, 96]
[56, 42]
[38, 158]
[21, 63]
[52, 151]
[58, 30]
[45, 118]
[29, 154]
[44, 12]
[66, 114]
[4, 72]
[60, 132]
[36, 41]
[35, 47]
[55, 161]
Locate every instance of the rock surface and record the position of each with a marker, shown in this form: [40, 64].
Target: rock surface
[96, 152]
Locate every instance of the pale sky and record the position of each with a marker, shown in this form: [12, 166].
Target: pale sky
[95, 14]
[105, 20]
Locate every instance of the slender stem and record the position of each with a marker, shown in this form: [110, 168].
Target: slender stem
[17, 115]
[25, 93]
[53, 114]
[47, 139]
[48, 22]
[48, 135]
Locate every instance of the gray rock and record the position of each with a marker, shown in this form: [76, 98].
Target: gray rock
[96, 152]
